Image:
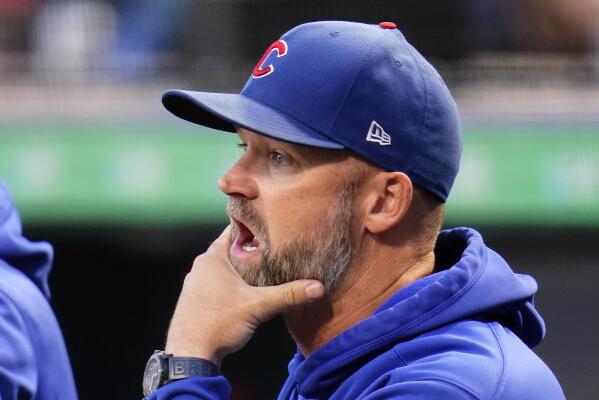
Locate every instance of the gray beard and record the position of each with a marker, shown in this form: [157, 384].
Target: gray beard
[322, 254]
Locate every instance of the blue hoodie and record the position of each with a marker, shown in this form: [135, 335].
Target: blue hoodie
[33, 358]
[464, 332]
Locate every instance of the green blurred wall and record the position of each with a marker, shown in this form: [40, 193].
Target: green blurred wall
[165, 172]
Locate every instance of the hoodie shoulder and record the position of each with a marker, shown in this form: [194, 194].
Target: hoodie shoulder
[425, 389]
[481, 358]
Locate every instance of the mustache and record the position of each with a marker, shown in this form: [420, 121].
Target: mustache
[242, 210]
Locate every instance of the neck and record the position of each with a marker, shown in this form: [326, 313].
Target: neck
[369, 281]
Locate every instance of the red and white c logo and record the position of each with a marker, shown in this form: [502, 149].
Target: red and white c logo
[260, 71]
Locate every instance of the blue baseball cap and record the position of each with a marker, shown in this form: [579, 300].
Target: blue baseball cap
[344, 85]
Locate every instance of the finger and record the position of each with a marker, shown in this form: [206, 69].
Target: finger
[278, 299]
[224, 240]
[216, 254]
[225, 236]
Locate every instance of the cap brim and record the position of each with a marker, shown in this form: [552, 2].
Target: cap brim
[225, 111]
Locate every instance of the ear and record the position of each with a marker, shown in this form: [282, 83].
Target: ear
[389, 200]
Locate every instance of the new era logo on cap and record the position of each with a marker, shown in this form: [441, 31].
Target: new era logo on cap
[377, 134]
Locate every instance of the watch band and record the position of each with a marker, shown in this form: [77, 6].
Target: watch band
[187, 367]
[164, 368]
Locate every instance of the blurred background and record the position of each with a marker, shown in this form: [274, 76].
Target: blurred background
[127, 194]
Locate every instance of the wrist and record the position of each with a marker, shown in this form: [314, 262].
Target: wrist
[188, 350]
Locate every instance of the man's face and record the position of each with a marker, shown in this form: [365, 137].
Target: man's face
[291, 212]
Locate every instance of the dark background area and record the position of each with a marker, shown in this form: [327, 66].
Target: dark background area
[114, 290]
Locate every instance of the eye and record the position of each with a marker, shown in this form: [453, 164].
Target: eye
[242, 146]
[279, 158]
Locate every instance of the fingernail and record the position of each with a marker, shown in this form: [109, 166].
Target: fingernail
[314, 290]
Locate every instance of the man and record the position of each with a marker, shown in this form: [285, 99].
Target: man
[351, 145]
[34, 364]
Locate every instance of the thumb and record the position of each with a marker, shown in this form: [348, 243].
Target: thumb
[281, 298]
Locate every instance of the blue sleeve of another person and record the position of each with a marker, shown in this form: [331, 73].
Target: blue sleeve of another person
[34, 363]
[18, 371]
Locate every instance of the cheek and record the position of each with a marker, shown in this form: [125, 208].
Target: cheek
[290, 216]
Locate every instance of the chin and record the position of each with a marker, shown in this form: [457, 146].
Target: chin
[249, 271]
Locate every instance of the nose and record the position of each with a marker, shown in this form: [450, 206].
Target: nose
[237, 182]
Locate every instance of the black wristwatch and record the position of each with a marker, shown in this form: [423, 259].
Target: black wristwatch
[163, 368]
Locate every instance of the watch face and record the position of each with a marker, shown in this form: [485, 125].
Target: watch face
[153, 374]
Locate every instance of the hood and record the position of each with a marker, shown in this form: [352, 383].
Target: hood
[34, 259]
[477, 283]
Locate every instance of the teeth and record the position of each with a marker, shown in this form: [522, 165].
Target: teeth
[249, 247]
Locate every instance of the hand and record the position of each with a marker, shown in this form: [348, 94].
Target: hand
[217, 312]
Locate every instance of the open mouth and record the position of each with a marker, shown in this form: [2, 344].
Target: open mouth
[245, 243]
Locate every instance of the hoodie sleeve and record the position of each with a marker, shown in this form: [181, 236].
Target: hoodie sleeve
[197, 388]
[433, 388]
[18, 370]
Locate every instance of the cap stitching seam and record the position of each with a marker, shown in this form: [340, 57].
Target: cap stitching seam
[351, 86]
[433, 186]
[426, 111]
